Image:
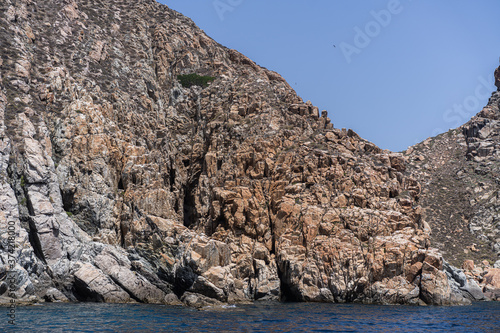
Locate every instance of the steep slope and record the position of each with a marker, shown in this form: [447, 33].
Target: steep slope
[124, 186]
[459, 172]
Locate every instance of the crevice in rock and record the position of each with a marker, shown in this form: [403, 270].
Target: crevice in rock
[172, 179]
[123, 233]
[16, 182]
[286, 292]
[67, 199]
[220, 221]
[151, 224]
[189, 209]
[84, 294]
[35, 241]
[32, 232]
[271, 228]
[176, 206]
[120, 184]
[184, 279]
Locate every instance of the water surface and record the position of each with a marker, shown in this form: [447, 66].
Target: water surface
[259, 317]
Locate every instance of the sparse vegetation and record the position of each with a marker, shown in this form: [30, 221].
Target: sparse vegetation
[194, 79]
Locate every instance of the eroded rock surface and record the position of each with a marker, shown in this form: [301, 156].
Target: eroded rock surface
[125, 186]
[459, 174]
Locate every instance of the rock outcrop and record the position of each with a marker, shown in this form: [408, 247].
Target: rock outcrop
[125, 186]
[459, 173]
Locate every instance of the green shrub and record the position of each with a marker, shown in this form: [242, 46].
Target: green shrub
[193, 79]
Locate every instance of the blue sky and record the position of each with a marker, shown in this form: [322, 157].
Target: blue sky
[400, 71]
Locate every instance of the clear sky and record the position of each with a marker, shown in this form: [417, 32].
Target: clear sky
[394, 71]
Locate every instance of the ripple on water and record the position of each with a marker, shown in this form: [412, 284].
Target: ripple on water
[259, 317]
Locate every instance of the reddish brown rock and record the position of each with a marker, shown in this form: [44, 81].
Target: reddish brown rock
[492, 278]
[134, 187]
[491, 284]
[461, 209]
[468, 265]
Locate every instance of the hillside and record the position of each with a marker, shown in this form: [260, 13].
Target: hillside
[460, 176]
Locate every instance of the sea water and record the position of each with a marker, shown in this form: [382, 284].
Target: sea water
[258, 317]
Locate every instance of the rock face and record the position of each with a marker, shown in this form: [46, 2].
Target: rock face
[483, 150]
[125, 186]
[459, 173]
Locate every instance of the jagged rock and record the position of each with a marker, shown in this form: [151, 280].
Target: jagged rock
[172, 299]
[491, 284]
[492, 278]
[199, 301]
[117, 266]
[93, 285]
[459, 171]
[124, 185]
[468, 265]
[456, 274]
[497, 78]
[461, 285]
[268, 282]
[473, 289]
[54, 295]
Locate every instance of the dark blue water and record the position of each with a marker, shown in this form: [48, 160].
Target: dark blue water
[260, 317]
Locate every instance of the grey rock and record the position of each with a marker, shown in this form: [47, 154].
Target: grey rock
[117, 266]
[54, 295]
[461, 286]
[204, 287]
[172, 299]
[268, 282]
[455, 274]
[473, 291]
[199, 301]
[93, 285]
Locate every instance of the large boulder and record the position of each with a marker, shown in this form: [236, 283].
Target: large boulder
[93, 285]
[491, 281]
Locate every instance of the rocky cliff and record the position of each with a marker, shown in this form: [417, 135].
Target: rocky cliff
[123, 185]
[460, 176]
